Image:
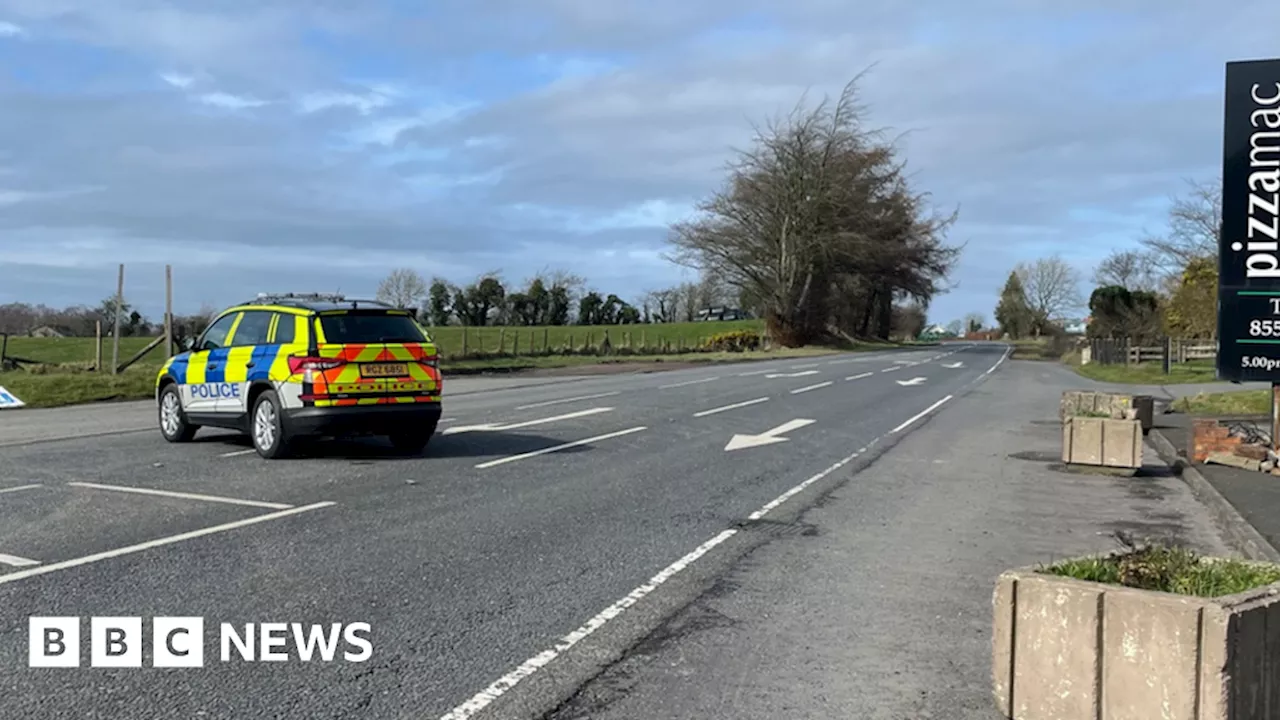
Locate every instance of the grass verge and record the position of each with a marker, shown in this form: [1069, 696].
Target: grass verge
[1170, 570]
[71, 384]
[1149, 373]
[1240, 402]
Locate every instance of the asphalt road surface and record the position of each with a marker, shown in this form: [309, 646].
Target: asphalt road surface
[548, 528]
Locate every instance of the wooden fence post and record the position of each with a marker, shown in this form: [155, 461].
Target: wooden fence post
[168, 310]
[115, 335]
[97, 346]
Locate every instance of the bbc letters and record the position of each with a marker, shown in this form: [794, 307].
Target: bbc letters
[178, 642]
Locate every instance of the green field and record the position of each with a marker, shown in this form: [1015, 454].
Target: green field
[1150, 373]
[454, 342]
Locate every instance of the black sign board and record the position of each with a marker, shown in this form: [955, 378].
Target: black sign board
[1249, 246]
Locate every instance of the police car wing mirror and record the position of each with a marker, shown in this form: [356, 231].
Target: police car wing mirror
[187, 344]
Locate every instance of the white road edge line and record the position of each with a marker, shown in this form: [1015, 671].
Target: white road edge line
[492, 427]
[689, 382]
[568, 400]
[20, 487]
[500, 686]
[919, 415]
[16, 561]
[554, 448]
[182, 495]
[726, 408]
[234, 453]
[1002, 357]
[806, 389]
[859, 377]
[76, 562]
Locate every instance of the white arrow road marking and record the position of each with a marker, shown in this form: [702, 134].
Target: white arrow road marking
[810, 387]
[16, 561]
[912, 381]
[734, 406]
[769, 437]
[565, 446]
[802, 373]
[953, 365]
[689, 382]
[859, 377]
[490, 427]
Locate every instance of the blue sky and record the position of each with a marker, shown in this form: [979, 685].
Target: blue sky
[316, 145]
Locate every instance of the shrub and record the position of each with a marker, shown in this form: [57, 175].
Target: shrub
[732, 341]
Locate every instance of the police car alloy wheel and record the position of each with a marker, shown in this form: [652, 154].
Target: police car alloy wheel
[267, 427]
[173, 422]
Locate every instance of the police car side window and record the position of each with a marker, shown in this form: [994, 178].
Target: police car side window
[216, 336]
[252, 329]
[285, 329]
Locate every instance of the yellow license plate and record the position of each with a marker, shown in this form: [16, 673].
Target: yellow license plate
[384, 370]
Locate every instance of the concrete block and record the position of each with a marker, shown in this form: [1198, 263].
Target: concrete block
[1102, 441]
[1065, 649]
[1115, 405]
[1233, 460]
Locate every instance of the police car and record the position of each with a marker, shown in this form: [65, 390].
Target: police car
[288, 366]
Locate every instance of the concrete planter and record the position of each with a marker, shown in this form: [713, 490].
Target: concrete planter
[1103, 442]
[1118, 406]
[1066, 649]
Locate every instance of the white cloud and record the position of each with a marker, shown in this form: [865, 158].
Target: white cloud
[364, 104]
[8, 29]
[177, 80]
[230, 101]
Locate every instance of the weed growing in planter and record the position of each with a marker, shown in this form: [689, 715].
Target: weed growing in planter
[1171, 570]
[1092, 414]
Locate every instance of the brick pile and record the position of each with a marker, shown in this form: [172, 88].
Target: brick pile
[1213, 442]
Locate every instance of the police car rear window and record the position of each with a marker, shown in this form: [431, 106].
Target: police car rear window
[370, 328]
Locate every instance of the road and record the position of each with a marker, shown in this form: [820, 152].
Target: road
[549, 527]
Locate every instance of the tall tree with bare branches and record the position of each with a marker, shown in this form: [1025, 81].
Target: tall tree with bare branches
[818, 223]
[1052, 289]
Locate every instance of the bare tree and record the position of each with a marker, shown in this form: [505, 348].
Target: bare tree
[817, 222]
[403, 288]
[1129, 269]
[1052, 288]
[1195, 222]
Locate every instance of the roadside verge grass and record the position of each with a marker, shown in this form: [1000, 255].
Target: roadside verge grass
[1226, 404]
[1149, 373]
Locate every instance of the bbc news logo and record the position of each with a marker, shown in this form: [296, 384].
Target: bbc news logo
[179, 642]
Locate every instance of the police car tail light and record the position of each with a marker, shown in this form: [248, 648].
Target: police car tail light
[431, 361]
[311, 364]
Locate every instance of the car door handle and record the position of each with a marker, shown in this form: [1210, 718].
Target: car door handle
[213, 366]
[250, 364]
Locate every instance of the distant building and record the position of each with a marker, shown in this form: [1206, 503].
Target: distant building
[1076, 326]
[721, 313]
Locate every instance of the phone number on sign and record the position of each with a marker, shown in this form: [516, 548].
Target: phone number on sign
[1259, 362]
[1264, 328]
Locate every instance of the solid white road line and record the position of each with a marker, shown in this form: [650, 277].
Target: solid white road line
[236, 453]
[500, 686]
[1002, 358]
[569, 400]
[859, 377]
[919, 415]
[687, 383]
[810, 387]
[527, 423]
[734, 406]
[20, 487]
[16, 561]
[182, 495]
[65, 564]
[554, 448]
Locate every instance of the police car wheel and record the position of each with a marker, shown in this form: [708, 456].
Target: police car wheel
[173, 421]
[266, 427]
